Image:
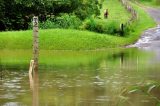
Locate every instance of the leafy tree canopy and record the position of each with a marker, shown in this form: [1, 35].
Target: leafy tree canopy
[16, 14]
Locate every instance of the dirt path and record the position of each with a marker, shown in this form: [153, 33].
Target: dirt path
[150, 39]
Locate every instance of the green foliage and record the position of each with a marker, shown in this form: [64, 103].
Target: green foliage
[92, 25]
[88, 8]
[2, 14]
[143, 23]
[64, 21]
[100, 26]
[48, 24]
[112, 27]
[59, 39]
[68, 21]
[149, 89]
[156, 2]
[17, 14]
[150, 2]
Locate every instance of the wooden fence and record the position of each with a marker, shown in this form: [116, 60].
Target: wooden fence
[131, 10]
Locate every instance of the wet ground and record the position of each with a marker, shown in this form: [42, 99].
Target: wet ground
[150, 39]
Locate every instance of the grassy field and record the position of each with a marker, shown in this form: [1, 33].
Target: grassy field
[116, 11]
[152, 3]
[68, 39]
[59, 39]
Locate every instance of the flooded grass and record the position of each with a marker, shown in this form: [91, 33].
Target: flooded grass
[80, 78]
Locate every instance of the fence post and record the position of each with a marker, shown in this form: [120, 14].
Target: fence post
[122, 29]
[35, 43]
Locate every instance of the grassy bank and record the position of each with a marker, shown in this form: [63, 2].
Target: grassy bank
[151, 3]
[59, 39]
[68, 39]
[144, 22]
[116, 11]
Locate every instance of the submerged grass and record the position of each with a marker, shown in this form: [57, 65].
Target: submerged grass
[52, 58]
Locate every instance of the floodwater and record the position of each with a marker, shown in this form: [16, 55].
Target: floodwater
[126, 77]
[150, 39]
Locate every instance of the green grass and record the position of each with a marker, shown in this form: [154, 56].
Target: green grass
[64, 59]
[144, 22]
[151, 3]
[116, 11]
[59, 39]
[69, 39]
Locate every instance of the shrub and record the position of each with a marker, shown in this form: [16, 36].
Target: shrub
[101, 26]
[68, 21]
[48, 24]
[64, 21]
[89, 24]
[111, 27]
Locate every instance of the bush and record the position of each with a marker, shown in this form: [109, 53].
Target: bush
[111, 27]
[100, 26]
[68, 21]
[90, 24]
[64, 21]
[48, 24]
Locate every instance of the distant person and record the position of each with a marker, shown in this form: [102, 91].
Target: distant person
[106, 14]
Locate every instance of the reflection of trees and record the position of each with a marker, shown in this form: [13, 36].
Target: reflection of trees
[125, 59]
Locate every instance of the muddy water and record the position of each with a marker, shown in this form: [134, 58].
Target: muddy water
[150, 40]
[128, 77]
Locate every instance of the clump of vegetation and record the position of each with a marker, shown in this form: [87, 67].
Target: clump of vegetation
[69, 39]
[67, 21]
[149, 89]
[17, 14]
[100, 26]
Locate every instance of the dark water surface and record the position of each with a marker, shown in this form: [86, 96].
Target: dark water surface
[128, 77]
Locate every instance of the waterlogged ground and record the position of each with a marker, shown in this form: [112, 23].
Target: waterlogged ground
[128, 77]
[150, 39]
